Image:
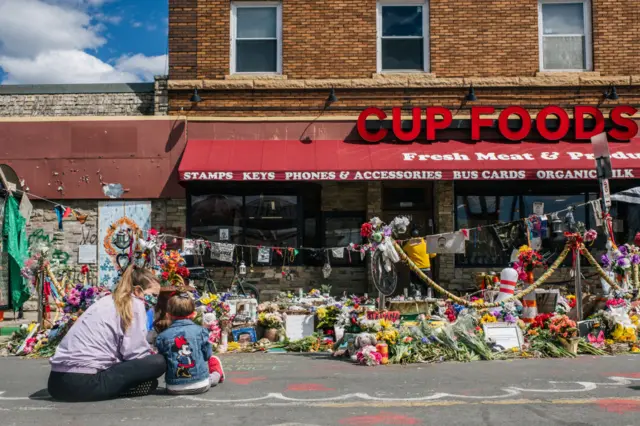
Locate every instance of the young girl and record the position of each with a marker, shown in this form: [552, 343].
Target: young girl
[191, 368]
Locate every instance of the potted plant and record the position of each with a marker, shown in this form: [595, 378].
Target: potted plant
[325, 289]
[272, 322]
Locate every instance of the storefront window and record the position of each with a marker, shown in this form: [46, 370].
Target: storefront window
[340, 231]
[486, 209]
[217, 217]
[272, 220]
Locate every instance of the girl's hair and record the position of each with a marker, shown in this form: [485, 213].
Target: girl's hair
[181, 305]
[122, 296]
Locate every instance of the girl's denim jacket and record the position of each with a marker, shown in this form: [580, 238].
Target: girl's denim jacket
[185, 345]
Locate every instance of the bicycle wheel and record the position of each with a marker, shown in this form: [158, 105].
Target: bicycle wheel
[385, 281]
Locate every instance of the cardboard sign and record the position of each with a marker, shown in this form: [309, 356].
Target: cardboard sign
[505, 335]
[392, 316]
[87, 254]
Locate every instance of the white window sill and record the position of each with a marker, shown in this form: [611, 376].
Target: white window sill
[387, 74]
[255, 76]
[567, 72]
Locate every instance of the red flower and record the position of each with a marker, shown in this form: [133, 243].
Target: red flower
[366, 230]
[165, 275]
[84, 270]
[153, 232]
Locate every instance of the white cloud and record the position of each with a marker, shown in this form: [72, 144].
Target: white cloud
[30, 27]
[143, 66]
[76, 66]
[50, 41]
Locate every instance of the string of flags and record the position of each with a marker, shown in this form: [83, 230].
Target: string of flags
[445, 243]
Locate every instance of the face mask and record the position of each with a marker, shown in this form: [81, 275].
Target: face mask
[150, 301]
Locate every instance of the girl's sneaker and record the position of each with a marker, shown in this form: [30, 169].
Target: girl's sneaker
[215, 366]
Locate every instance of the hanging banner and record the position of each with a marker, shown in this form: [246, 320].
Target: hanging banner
[222, 252]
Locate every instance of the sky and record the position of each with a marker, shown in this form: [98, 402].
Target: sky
[82, 41]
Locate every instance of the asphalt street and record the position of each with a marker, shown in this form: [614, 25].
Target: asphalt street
[284, 389]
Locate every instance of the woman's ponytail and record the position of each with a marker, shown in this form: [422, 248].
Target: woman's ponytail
[122, 298]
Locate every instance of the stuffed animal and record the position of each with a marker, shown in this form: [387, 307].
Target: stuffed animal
[362, 340]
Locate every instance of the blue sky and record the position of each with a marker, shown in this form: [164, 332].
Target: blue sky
[82, 41]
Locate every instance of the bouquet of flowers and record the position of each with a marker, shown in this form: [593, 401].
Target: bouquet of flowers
[79, 298]
[270, 320]
[174, 271]
[369, 356]
[562, 326]
[621, 261]
[528, 260]
[327, 316]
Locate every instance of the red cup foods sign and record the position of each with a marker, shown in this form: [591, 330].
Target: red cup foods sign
[440, 118]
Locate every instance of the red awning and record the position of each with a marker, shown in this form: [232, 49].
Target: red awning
[292, 160]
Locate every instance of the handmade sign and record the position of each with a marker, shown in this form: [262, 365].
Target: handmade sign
[392, 316]
[452, 242]
[506, 336]
[264, 255]
[222, 252]
[299, 326]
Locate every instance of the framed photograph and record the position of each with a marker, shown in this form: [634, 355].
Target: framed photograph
[505, 335]
[224, 234]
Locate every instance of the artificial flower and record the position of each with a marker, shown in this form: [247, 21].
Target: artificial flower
[590, 235]
[366, 230]
[605, 261]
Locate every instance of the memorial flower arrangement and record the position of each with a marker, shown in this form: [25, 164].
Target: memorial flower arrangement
[173, 268]
[562, 326]
[528, 261]
[79, 298]
[327, 316]
[271, 320]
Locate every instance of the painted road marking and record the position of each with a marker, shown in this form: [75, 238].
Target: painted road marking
[508, 392]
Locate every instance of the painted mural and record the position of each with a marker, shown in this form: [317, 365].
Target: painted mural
[118, 222]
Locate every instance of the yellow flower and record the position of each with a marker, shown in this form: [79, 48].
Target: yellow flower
[515, 349]
[635, 320]
[479, 302]
[208, 299]
[321, 312]
[385, 324]
[524, 248]
[233, 346]
[488, 318]
[571, 297]
[635, 350]
[608, 342]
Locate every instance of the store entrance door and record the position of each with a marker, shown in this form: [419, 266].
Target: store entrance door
[414, 201]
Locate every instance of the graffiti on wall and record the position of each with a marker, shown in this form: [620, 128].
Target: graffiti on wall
[118, 223]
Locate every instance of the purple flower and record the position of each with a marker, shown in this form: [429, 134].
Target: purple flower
[386, 231]
[496, 314]
[623, 250]
[79, 287]
[635, 259]
[89, 293]
[510, 319]
[606, 262]
[623, 262]
[424, 340]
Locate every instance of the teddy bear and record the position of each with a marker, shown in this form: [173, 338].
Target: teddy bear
[362, 340]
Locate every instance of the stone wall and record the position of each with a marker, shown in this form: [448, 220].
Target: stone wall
[77, 100]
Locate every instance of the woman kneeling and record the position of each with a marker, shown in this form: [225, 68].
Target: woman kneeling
[105, 354]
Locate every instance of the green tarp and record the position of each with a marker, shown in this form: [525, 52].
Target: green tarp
[18, 248]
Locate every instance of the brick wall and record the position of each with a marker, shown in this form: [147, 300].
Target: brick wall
[616, 35]
[23, 101]
[355, 97]
[337, 38]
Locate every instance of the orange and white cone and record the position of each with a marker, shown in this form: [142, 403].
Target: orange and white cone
[508, 281]
[529, 304]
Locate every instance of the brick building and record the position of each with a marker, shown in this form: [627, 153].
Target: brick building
[280, 86]
[264, 133]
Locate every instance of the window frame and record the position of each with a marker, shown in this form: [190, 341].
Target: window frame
[588, 35]
[426, 66]
[235, 5]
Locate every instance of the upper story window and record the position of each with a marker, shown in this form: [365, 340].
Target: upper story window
[403, 35]
[256, 37]
[565, 35]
